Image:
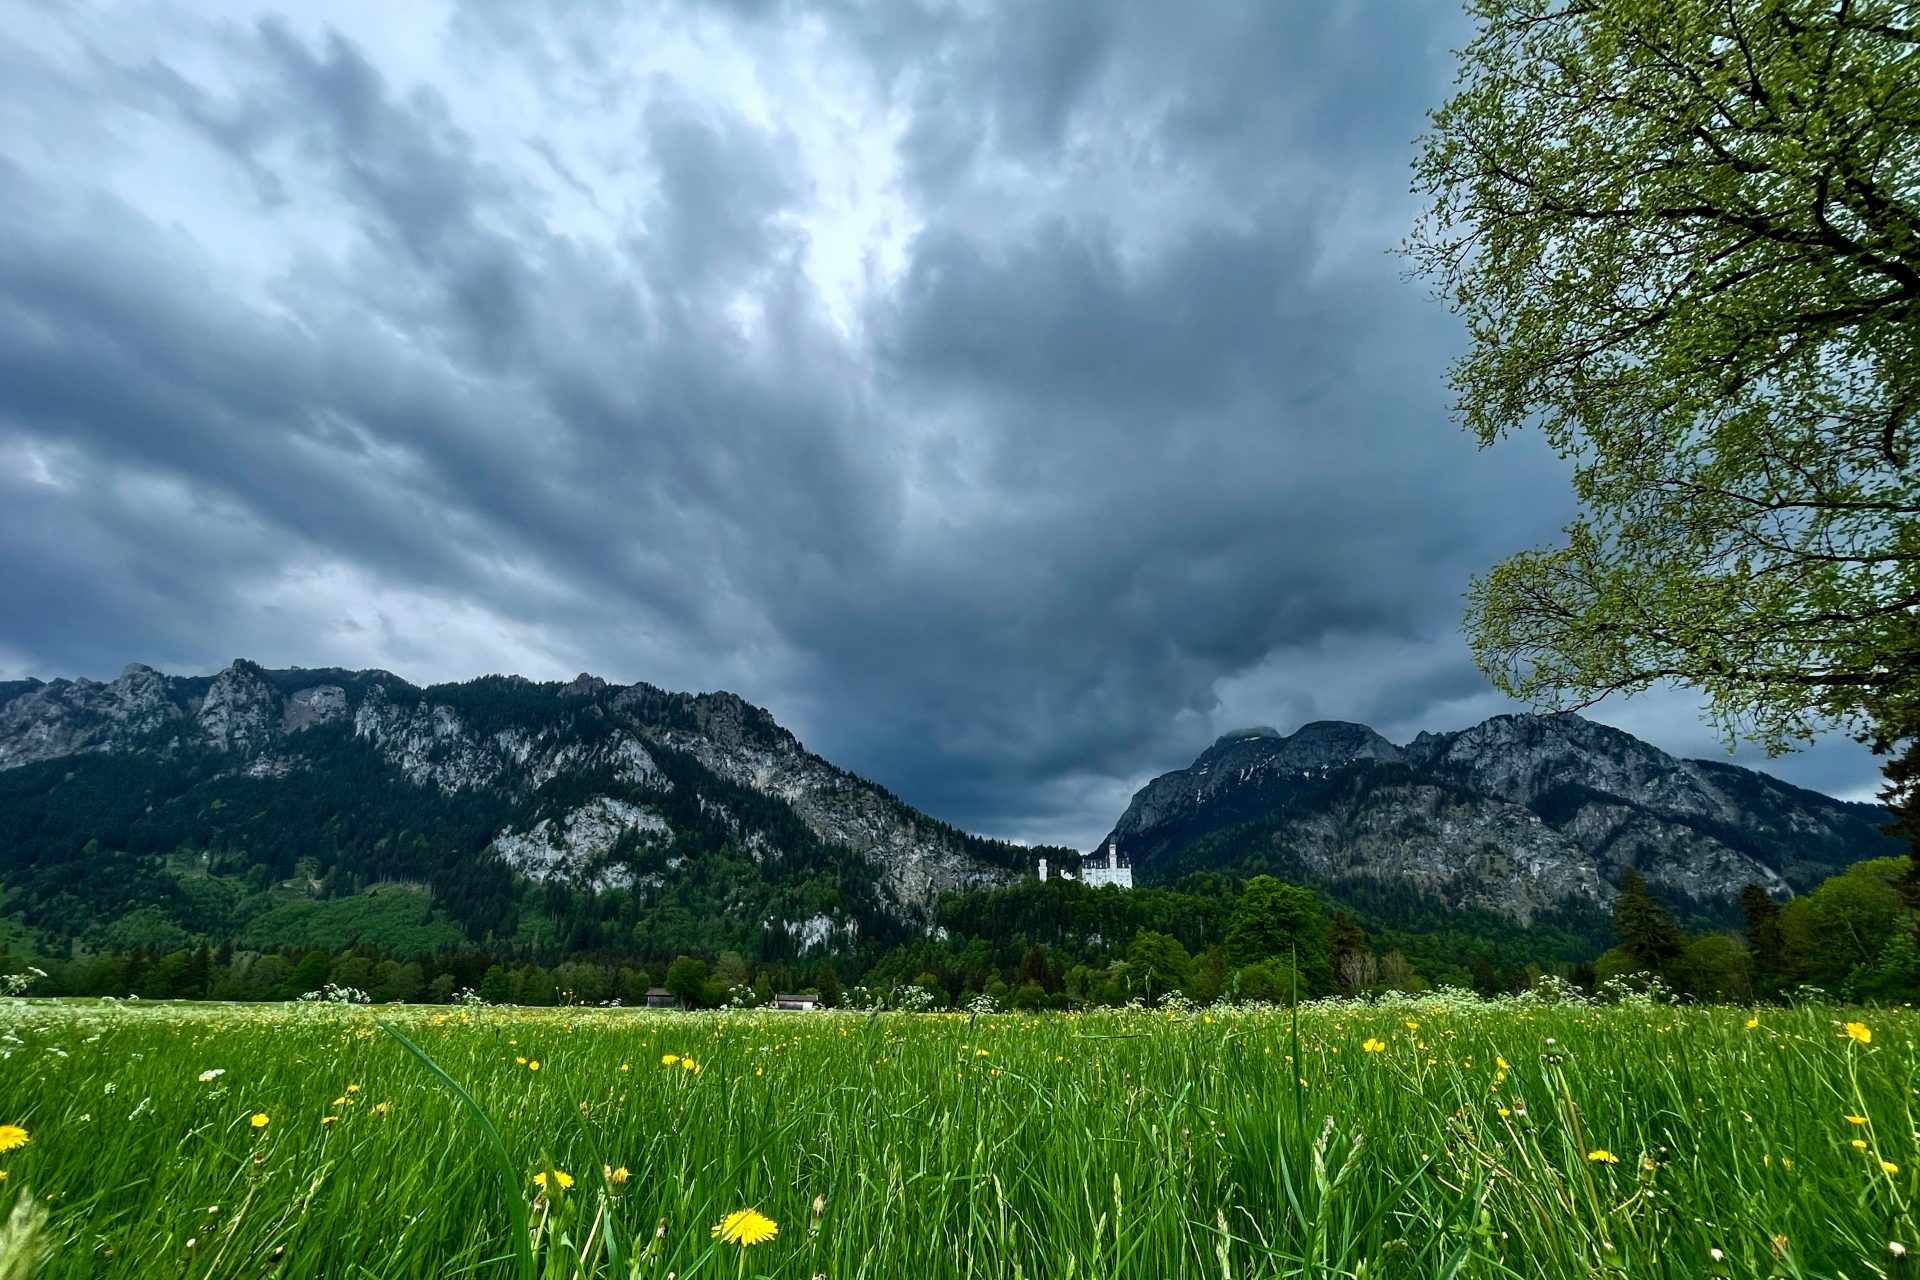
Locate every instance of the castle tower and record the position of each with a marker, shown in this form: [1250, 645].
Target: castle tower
[1043, 871]
[1094, 873]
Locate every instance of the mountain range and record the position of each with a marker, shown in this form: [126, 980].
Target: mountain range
[294, 807]
[1517, 815]
[483, 804]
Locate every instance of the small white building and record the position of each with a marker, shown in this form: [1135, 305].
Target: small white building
[1094, 874]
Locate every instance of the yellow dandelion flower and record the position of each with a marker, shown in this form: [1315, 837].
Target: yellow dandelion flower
[1504, 1113]
[329, 1119]
[1858, 1033]
[1856, 1119]
[668, 1059]
[13, 1137]
[1859, 1145]
[1502, 1063]
[1374, 1046]
[534, 1065]
[1603, 1156]
[626, 1066]
[519, 1062]
[1412, 1025]
[1888, 1166]
[353, 1088]
[381, 1108]
[746, 1226]
[1752, 1023]
[340, 1101]
[260, 1120]
[618, 1177]
[564, 1180]
[979, 1053]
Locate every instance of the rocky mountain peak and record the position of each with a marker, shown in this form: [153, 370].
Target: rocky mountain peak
[729, 719]
[494, 744]
[1319, 744]
[1523, 758]
[1329, 742]
[241, 710]
[1566, 803]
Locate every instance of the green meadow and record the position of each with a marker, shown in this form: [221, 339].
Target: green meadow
[1416, 1138]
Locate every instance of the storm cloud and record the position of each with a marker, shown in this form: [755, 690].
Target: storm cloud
[1009, 397]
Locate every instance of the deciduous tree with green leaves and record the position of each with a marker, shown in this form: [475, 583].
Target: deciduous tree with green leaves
[687, 981]
[1158, 963]
[1274, 920]
[1685, 239]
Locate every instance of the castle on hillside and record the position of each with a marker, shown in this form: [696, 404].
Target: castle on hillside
[1095, 874]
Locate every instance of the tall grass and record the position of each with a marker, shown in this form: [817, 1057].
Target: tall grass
[1632, 1140]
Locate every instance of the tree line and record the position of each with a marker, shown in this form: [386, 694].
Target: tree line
[1062, 945]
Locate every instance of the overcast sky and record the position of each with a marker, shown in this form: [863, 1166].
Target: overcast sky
[1010, 398]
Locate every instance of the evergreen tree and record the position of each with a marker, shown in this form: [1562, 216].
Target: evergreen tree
[1348, 951]
[1485, 981]
[197, 976]
[1645, 926]
[1896, 735]
[1764, 939]
[495, 985]
[1037, 969]
[829, 984]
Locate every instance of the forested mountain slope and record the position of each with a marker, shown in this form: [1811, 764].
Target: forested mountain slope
[572, 816]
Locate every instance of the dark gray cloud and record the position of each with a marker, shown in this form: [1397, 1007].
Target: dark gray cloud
[1010, 397]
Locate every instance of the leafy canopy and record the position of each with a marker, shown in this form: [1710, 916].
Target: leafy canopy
[1276, 921]
[1685, 238]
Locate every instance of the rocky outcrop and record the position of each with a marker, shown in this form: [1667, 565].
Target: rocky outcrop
[577, 849]
[66, 717]
[739, 742]
[428, 743]
[505, 736]
[240, 712]
[317, 705]
[1497, 858]
[1516, 814]
[1241, 777]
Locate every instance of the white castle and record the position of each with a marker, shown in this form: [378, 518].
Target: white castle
[1096, 875]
